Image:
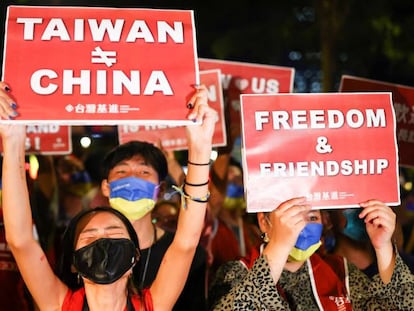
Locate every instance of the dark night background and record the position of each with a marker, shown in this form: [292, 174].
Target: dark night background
[321, 39]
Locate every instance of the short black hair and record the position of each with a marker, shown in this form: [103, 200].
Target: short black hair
[151, 154]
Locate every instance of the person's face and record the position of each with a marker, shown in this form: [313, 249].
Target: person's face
[134, 167]
[313, 216]
[100, 225]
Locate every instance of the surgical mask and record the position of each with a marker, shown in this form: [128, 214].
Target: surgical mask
[308, 242]
[234, 197]
[355, 227]
[105, 260]
[134, 197]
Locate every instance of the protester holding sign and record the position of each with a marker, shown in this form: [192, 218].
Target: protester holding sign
[96, 236]
[134, 179]
[290, 275]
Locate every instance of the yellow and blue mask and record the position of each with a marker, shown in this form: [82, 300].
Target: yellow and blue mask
[132, 196]
[309, 240]
[234, 197]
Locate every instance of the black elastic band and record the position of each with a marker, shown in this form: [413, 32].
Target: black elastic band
[196, 185]
[198, 164]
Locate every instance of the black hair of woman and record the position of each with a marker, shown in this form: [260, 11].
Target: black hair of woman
[65, 269]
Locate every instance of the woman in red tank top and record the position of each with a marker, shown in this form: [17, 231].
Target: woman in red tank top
[100, 245]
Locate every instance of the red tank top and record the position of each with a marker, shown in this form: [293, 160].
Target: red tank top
[74, 300]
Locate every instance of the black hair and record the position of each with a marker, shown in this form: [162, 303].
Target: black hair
[64, 270]
[151, 154]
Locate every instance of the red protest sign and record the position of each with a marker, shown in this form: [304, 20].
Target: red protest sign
[337, 149]
[48, 139]
[85, 65]
[249, 78]
[175, 137]
[403, 99]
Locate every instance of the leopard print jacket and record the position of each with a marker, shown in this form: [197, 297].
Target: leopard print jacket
[235, 288]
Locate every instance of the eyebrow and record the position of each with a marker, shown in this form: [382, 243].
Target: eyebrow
[106, 228]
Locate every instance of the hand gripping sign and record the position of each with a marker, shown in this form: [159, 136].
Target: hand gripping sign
[84, 65]
[175, 137]
[337, 149]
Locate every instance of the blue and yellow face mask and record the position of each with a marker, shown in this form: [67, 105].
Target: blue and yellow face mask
[132, 196]
[234, 197]
[308, 242]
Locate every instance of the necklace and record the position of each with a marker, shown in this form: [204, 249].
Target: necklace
[144, 274]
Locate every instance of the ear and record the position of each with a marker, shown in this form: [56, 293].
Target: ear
[263, 222]
[105, 188]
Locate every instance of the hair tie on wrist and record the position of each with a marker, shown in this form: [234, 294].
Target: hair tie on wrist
[198, 164]
[195, 185]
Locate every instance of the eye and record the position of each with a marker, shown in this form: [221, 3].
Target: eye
[116, 235]
[86, 239]
[314, 217]
[116, 232]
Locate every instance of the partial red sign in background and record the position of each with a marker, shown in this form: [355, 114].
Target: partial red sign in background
[47, 139]
[403, 100]
[175, 137]
[249, 78]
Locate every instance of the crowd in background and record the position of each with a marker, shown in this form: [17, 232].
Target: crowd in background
[66, 185]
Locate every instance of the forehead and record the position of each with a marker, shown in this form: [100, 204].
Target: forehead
[100, 220]
[136, 160]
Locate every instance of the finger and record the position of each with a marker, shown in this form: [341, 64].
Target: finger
[380, 217]
[369, 205]
[200, 96]
[203, 113]
[7, 104]
[291, 202]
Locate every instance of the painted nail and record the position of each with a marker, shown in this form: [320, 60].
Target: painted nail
[7, 89]
[13, 105]
[190, 106]
[14, 114]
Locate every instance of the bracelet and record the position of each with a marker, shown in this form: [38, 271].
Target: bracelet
[198, 164]
[195, 185]
[185, 196]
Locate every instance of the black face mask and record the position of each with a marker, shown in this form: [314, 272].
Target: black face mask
[106, 260]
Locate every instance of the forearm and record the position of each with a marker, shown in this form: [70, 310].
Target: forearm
[192, 214]
[386, 262]
[16, 206]
[276, 256]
